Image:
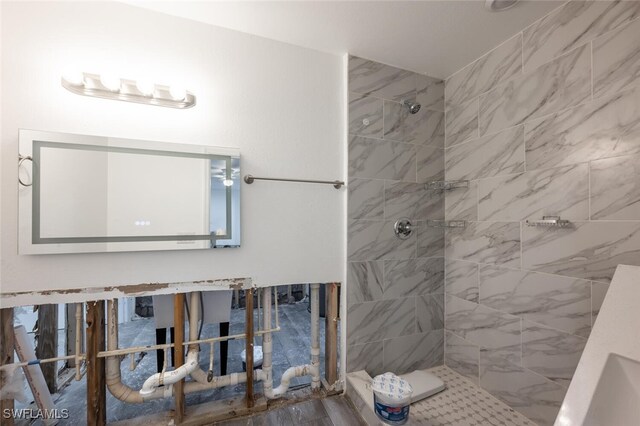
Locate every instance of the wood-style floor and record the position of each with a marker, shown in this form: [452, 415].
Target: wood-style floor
[331, 411]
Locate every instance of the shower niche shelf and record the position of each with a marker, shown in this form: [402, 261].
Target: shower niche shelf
[447, 185]
[550, 222]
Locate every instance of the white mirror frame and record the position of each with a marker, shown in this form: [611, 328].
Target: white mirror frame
[25, 193]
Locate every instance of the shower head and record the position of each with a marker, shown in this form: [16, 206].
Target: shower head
[414, 107]
[499, 5]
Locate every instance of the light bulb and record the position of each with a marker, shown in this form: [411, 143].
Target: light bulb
[178, 93]
[227, 182]
[110, 81]
[146, 87]
[75, 78]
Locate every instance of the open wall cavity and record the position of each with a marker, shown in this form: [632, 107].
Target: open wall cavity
[130, 360]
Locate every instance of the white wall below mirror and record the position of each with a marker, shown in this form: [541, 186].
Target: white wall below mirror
[81, 193]
[249, 96]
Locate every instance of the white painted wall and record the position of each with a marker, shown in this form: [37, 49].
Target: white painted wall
[281, 105]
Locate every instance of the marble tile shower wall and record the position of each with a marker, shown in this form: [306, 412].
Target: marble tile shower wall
[547, 123]
[395, 296]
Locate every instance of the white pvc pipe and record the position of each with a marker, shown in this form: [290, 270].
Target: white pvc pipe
[315, 336]
[312, 369]
[126, 394]
[35, 378]
[78, 359]
[171, 377]
[113, 379]
[191, 363]
[196, 374]
[267, 346]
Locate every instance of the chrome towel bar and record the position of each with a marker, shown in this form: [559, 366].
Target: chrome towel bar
[337, 184]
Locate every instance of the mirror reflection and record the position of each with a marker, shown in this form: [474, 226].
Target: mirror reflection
[91, 193]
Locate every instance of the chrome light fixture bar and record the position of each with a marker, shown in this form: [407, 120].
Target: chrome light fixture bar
[107, 87]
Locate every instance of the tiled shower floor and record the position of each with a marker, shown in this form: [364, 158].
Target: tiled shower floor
[461, 404]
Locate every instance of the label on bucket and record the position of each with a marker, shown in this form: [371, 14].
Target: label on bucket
[391, 398]
[397, 415]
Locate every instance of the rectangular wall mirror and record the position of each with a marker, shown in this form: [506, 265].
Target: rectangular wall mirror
[80, 193]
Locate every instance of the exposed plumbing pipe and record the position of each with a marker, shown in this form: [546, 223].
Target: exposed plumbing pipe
[191, 363]
[127, 394]
[113, 379]
[78, 358]
[171, 377]
[197, 374]
[267, 345]
[315, 336]
[312, 369]
[35, 378]
[205, 381]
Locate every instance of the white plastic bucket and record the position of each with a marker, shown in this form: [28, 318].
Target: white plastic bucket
[391, 398]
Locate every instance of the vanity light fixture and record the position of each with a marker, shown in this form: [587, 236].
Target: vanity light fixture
[144, 92]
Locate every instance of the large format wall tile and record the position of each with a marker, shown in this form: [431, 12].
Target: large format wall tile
[485, 242]
[430, 130]
[365, 115]
[389, 150]
[383, 81]
[430, 92]
[374, 158]
[462, 356]
[413, 277]
[559, 302]
[396, 122]
[462, 203]
[598, 293]
[366, 199]
[497, 66]
[367, 357]
[415, 352]
[461, 279]
[615, 188]
[461, 123]
[430, 241]
[375, 321]
[430, 164]
[572, 25]
[590, 250]
[551, 353]
[496, 332]
[364, 282]
[559, 84]
[429, 312]
[616, 59]
[425, 127]
[531, 394]
[498, 154]
[375, 240]
[605, 127]
[412, 200]
[563, 191]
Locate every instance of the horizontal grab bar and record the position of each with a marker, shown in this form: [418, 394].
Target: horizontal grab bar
[337, 184]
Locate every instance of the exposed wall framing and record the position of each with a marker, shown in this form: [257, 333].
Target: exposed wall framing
[47, 343]
[6, 357]
[331, 333]
[96, 383]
